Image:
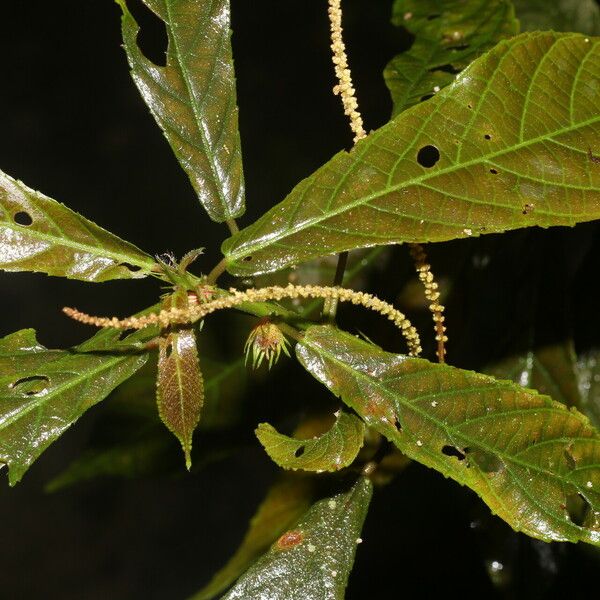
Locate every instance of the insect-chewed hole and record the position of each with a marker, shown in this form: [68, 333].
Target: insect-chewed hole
[487, 136]
[454, 451]
[32, 385]
[247, 258]
[578, 508]
[300, 451]
[494, 171]
[23, 218]
[427, 97]
[152, 37]
[428, 156]
[397, 424]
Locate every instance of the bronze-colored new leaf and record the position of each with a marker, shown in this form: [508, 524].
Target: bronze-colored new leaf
[193, 97]
[332, 451]
[511, 143]
[40, 234]
[180, 387]
[533, 461]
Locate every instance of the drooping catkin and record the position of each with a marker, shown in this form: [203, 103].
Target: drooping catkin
[433, 295]
[176, 316]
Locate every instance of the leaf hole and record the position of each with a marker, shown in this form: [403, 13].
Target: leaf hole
[454, 451]
[23, 218]
[527, 209]
[300, 451]
[493, 171]
[432, 17]
[32, 385]
[427, 97]
[152, 38]
[247, 258]
[428, 156]
[487, 136]
[460, 47]
[397, 424]
[130, 267]
[169, 350]
[448, 68]
[578, 509]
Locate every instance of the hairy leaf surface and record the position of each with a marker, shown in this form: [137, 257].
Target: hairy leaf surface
[334, 450]
[561, 15]
[528, 457]
[43, 392]
[449, 34]
[40, 234]
[513, 133]
[193, 97]
[313, 560]
[284, 504]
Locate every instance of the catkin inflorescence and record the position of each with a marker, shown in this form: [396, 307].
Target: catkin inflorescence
[178, 316]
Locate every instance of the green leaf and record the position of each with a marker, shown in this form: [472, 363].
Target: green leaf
[561, 15]
[528, 457]
[193, 97]
[313, 560]
[40, 234]
[588, 374]
[535, 97]
[43, 392]
[180, 387]
[449, 34]
[550, 370]
[334, 450]
[284, 504]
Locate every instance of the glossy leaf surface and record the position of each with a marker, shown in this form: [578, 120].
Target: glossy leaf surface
[511, 137]
[284, 504]
[561, 15]
[311, 561]
[449, 34]
[43, 392]
[40, 234]
[527, 456]
[180, 387]
[193, 97]
[334, 450]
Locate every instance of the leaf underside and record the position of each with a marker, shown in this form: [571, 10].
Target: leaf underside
[312, 560]
[40, 234]
[561, 15]
[513, 133]
[43, 392]
[449, 34]
[332, 451]
[528, 457]
[193, 97]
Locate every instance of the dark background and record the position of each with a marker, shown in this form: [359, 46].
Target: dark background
[73, 126]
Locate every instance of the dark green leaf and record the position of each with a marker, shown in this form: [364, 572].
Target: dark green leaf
[284, 504]
[561, 15]
[193, 97]
[180, 387]
[40, 234]
[528, 457]
[550, 370]
[588, 374]
[43, 392]
[513, 135]
[312, 561]
[449, 34]
[334, 450]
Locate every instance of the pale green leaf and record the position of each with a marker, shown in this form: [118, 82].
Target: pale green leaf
[312, 561]
[561, 15]
[283, 505]
[193, 97]
[40, 234]
[334, 450]
[449, 34]
[528, 457]
[513, 132]
[43, 392]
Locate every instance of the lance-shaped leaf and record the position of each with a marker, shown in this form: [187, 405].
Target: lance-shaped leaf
[551, 370]
[312, 561]
[193, 97]
[449, 34]
[283, 505]
[179, 386]
[43, 392]
[334, 450]
[507, 145]
[532, 460]
[40, 234]
[561, 15]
